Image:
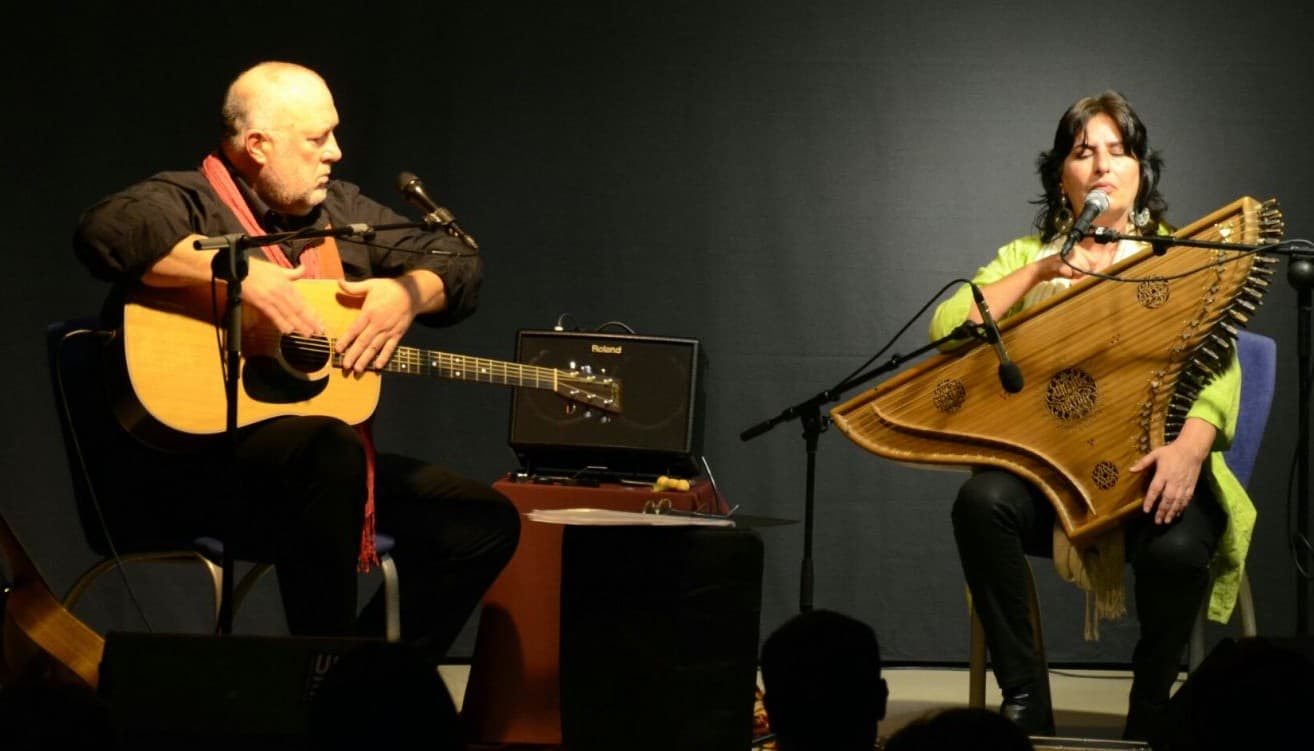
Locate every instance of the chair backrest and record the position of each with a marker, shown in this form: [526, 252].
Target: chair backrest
[95, 444]
[1258, 354]
[72, 347]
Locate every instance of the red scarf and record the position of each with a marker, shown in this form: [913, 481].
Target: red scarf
[321, 261]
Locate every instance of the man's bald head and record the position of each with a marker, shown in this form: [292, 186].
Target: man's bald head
[268, 96]
[278, 123]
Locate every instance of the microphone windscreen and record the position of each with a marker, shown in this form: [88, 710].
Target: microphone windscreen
[1010, 375]
[1099, 199]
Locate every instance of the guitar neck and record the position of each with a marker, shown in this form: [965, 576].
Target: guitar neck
[465, 368]
[601, 392]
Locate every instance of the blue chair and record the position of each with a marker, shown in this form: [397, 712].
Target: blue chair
[1258, 356]
[78, 378]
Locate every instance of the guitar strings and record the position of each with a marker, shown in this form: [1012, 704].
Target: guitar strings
[313, 353]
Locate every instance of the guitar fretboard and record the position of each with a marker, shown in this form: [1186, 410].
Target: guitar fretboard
[599, 391]
[465, 368]
[307, 355]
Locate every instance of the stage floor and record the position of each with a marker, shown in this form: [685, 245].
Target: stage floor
[1089, 705]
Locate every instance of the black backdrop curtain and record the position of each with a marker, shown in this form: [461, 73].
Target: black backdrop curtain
[787, 182]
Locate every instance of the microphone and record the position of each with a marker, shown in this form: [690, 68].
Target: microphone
[413, 191]
[1097, 202]
[1010, 375]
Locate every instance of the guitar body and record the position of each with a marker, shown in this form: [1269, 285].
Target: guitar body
[173, 356]
[42, 641]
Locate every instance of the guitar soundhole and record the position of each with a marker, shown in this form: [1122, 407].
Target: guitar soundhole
[949, 396]
[305, 354]
[1071, 395]
[1152, 294]
[1104, 475]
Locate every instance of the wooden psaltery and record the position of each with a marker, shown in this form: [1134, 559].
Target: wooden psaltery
[1111, 369]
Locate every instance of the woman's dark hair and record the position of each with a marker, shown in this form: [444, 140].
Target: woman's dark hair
[1135, 141]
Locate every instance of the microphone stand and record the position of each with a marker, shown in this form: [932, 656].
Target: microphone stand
[814, 423]
[230, 264]
[1300, 275]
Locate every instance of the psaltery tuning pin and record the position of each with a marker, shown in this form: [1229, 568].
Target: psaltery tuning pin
[1257, 295]
[1250, 307]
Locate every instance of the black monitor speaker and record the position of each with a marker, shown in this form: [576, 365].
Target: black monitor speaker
[659, 637]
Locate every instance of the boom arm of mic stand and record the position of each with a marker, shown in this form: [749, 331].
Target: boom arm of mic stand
[967, 330]
[835, 392]
[244, 242]
[809, 413]
[1162, 243]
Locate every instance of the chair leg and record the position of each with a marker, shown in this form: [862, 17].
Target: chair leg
[1245, 611]
[1033, 612]
[246, 584]
[391, 592]
[1196, 646]
[1246, 608]
[391, 599]
[976, 663]
[216, 584]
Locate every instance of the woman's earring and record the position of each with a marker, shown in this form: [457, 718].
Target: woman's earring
[1063, 216]
[1141, 218]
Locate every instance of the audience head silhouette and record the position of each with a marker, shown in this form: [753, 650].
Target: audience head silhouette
[1248, 693]
[957, 728]
[822, 685]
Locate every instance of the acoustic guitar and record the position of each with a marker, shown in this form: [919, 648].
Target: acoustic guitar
[173, 357]
[42, 641]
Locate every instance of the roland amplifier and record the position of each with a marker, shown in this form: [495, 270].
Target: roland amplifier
[658, 429]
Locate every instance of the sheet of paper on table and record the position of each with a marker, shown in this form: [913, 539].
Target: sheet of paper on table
[609, 517]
